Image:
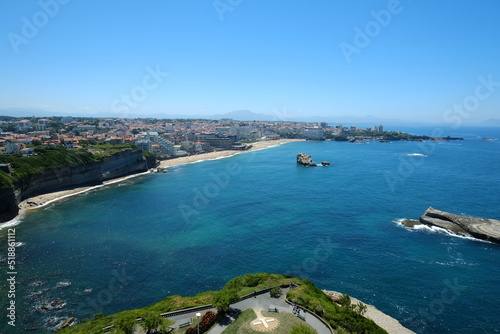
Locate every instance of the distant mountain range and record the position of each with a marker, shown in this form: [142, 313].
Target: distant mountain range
[240, 115]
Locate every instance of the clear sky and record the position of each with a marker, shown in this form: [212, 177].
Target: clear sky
[410, 60]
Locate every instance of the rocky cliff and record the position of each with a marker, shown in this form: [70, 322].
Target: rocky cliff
[480, 228]
[120, 164]
[305, 159]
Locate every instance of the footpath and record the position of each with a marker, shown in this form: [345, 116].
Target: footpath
[261, 302]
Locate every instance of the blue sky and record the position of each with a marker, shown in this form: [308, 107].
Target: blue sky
[413, 60]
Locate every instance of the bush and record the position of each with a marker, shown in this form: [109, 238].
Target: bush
[223, 300]
[303, 329]
[276, 292]
[206, 322]
[192, 330]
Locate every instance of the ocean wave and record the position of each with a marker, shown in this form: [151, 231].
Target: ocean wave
[435, 229]
[416, 155]
[63, 284]
[123, 179]
[10, 223]
[17, 220]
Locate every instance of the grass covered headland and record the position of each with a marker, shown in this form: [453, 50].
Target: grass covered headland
[342, 318]
[58, 157]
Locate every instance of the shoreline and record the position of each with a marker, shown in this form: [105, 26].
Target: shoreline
[37, 202]
[391, 325]
[223, 154]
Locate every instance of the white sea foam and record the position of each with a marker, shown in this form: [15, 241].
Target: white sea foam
[435, 229]
[417, 155]
[11, 223]
[63, 284]
[17, 220]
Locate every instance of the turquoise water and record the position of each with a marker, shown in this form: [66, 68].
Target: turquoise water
[192, 229]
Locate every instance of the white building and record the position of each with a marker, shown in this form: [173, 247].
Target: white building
[313, 133]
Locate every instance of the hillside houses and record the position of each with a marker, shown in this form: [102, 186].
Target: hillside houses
[162, 137]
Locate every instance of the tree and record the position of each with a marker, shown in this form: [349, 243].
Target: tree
[224, 299]
[151, 321]
[360, 308]
[126, 323]
[276, 292]
[345, 300]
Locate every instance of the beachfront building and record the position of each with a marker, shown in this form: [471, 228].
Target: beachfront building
[144, 144]
[313, 133]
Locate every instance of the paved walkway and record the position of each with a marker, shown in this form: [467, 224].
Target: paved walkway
[260, 302]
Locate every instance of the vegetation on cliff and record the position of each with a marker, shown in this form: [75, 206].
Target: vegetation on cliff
[57, 157]
[382, 135]
[310, 297]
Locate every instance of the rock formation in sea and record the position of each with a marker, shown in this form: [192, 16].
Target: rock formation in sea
[305, 160]
[480, 228]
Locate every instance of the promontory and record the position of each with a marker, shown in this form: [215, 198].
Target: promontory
[57, 168]
[480, 228]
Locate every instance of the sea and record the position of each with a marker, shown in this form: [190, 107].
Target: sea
[132, 243]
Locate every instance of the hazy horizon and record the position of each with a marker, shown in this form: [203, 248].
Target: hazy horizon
[422, 62]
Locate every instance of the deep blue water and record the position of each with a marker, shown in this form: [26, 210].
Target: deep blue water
[194, 228]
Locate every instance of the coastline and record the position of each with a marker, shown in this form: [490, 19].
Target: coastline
[391, 325]
[34, 203]
[223, 154]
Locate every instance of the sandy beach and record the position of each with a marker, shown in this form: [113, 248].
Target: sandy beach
[39, 201]
[219, 154]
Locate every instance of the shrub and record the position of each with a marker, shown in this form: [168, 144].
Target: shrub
[276, 292]
[207, 321]
[345, 300]
[303, 329]
[192, 330]
[223, 300]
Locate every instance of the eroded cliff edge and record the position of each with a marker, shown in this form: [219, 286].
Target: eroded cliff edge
[88, 171]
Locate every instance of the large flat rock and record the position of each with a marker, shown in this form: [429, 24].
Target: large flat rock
[480, 228]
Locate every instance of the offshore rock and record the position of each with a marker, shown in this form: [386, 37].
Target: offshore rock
[305, 160]
[325, 163]
[480, 228]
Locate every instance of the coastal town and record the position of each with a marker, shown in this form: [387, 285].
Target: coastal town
[164, 138]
